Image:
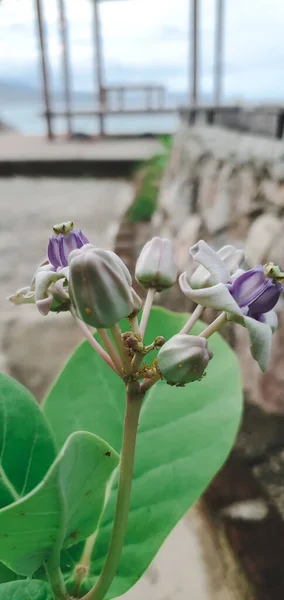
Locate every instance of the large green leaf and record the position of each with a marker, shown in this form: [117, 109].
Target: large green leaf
[26, 444]
[25, 590]
[184, 437]
[64, 507]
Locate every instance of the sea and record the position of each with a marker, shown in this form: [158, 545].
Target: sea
[25, 115]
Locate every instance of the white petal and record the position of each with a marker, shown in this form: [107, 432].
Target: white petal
[217, 296]
[209, 259]
[44, 305]
[271, 319]
[22, 296]
[42, 282]
[232, 257]
[64, 271]
[260, 336]
[200, 278]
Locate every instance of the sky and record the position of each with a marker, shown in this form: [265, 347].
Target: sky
[147, 41]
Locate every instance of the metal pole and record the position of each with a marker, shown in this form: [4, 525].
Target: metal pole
[98, 65]
[65, 64]
[194, 51]
[218, 52]
[41, 34]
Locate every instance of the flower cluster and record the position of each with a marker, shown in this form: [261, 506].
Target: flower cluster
[96, 287]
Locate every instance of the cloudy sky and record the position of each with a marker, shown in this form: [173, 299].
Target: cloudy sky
[147, 41]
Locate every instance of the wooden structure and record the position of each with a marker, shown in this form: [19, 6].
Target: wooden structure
[154, 95]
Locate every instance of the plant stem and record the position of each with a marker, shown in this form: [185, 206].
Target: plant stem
[192, 319]
[55, 579]
[149, 382]
[134, 400]
[88, 335]
[134, 325]
[146, 310]
[214, 326]
[110, 349]
[116, 334]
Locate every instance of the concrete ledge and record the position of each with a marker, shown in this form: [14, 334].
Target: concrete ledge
[107, 157]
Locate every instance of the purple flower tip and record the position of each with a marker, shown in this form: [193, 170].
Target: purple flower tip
[254, 293]
[63, 242]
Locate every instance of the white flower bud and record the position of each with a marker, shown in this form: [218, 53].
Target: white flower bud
[183, 358]
[99, 286]
[156, 267]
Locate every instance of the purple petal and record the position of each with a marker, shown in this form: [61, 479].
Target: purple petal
[267, 300]
[73, 240]
[53, 251]
[82, 237]
[63, 257]
[248, 286]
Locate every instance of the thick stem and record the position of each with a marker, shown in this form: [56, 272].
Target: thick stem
[134, 400]
[192, 319]
[88, 335]
[146, 310]
[214, 326]
[56, 580]
[110, 349]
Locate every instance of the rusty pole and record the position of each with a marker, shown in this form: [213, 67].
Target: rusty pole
[219, 52]
[42, 41]
[98, 65]
[63, 30]
[194, 51]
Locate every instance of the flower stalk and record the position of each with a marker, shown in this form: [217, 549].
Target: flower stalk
[146, 310]
[192, 319]
[97, 347]
[117, 338]
[110, 350]
[214, 326]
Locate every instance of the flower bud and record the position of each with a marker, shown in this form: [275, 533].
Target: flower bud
[183, 358]
[156, 267]
[99, 286]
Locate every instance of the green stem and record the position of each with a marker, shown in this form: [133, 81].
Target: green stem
[56, 580]
[134, 400]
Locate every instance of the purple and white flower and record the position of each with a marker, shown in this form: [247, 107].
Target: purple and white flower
[49, 285]
[247, 297]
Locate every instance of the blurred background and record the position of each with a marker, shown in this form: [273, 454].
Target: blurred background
[136, 43]
[136, 118]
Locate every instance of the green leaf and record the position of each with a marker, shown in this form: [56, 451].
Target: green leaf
[26, 444]
[24, 590]
[64, 507]
[184, 436]
[87, 395]
[6, 574]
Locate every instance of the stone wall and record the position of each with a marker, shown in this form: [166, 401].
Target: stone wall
[227, 187]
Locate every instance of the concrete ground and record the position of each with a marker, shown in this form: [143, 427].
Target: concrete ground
[33, 148]
[33, 349]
